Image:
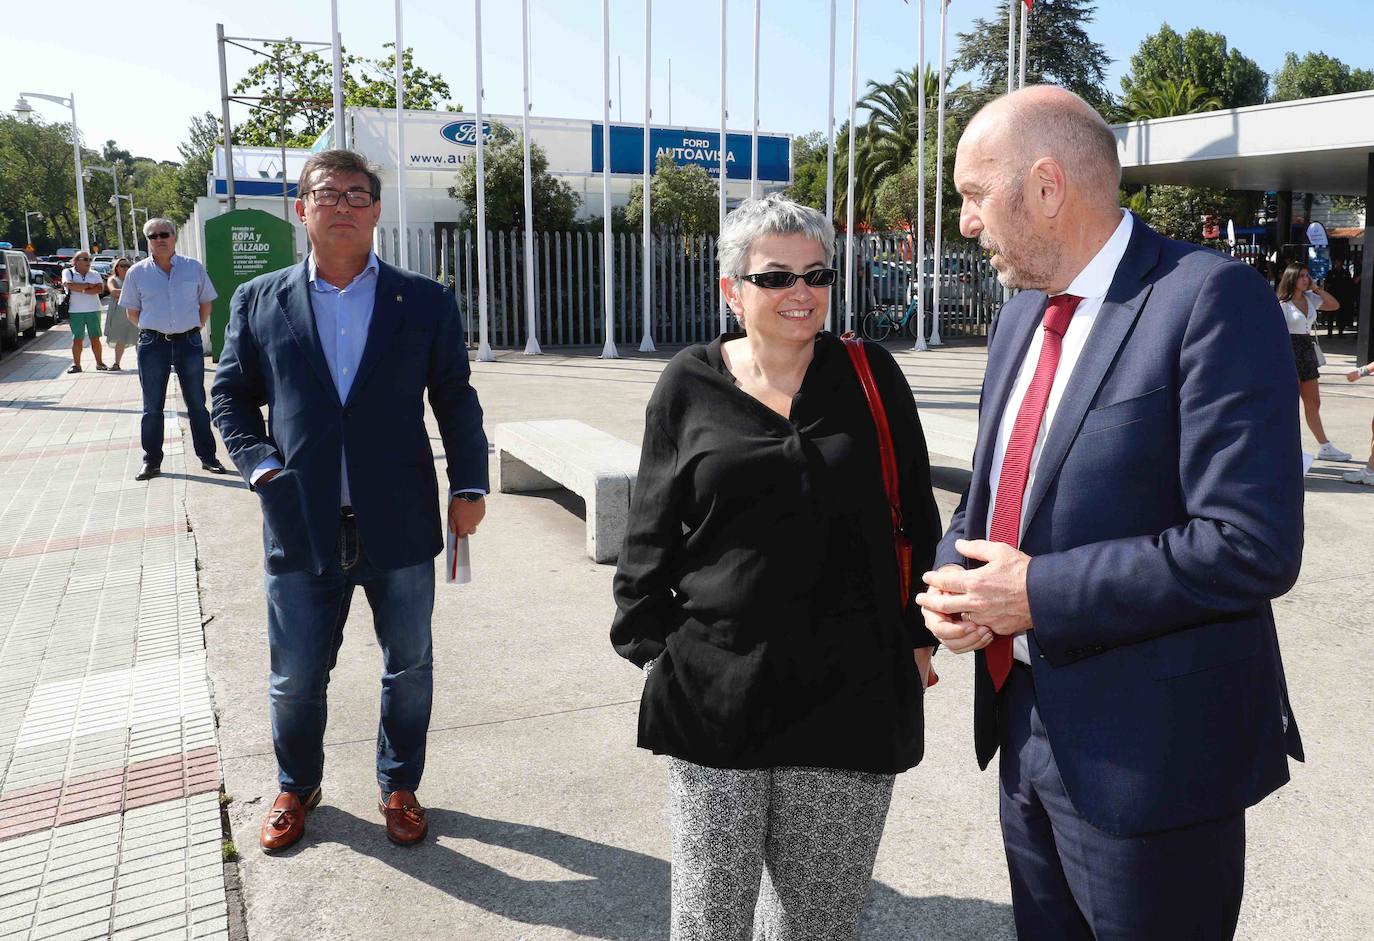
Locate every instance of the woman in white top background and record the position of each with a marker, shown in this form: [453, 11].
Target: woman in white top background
[1301, 299]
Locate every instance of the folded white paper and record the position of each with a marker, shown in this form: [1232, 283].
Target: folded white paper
[458, 561]
[1307, 460]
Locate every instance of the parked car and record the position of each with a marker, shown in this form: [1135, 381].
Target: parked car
[53, 269]
[17, 308]
[48, 297]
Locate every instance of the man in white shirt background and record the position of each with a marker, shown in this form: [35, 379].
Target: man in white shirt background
[84, 287]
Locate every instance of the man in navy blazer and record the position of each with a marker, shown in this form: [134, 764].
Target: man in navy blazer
[342, 350]
[1137, 419]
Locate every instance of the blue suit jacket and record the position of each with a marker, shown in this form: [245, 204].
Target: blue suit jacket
[1166, 514]
[272, 356]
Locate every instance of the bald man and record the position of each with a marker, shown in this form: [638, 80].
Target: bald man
[1136, 503]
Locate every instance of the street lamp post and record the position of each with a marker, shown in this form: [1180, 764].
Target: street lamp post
[28, 236]
[23, 107]
[132, 210]
[119, 224]
[133, 223]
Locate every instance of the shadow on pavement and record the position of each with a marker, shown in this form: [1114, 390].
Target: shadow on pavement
[623, 895]
[891, 915]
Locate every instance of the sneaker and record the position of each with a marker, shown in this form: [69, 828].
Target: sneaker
[1362, 476]
[1329, 452]
[72, 369]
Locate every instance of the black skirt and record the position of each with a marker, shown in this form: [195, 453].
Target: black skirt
[1305, 354]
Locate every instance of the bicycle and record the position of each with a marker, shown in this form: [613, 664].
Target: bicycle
[879, 323]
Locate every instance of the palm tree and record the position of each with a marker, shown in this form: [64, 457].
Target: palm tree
[1167, 98]
[888, 140]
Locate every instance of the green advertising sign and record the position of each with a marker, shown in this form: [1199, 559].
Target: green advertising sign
[239, 246]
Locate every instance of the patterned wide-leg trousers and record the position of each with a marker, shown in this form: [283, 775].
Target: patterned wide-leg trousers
[776, 854]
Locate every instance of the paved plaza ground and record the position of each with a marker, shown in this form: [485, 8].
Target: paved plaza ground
[133, 666]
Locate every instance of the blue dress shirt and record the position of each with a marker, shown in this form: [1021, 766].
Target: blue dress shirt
[343, 317]
[167, 302]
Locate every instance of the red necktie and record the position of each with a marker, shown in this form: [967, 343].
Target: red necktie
[1011, 483]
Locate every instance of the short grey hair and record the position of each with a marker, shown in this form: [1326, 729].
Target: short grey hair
[159, 222]
[774, 214]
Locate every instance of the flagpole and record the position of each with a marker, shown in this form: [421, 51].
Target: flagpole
[849, 198]
[920, 234]
[830, 157]
[608, 245]
[754, 137]
[939, 178]
[484, 354]
[401, 160]
[646, 345]
[337, 78]
[531, 318]
[724, 307]
[1011, 44]
[1025, 28]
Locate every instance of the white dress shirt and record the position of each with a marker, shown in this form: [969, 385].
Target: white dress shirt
[1091, 284]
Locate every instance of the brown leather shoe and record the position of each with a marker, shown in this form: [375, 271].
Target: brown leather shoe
[405, 818]
[284, 824]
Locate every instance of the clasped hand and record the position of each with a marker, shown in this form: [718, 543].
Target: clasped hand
[967, 608]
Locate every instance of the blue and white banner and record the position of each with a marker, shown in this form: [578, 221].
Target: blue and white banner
[688, 147]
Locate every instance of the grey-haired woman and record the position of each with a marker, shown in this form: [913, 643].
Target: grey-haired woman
[758, 587]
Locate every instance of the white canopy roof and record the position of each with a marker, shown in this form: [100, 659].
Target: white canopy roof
[1319, 145]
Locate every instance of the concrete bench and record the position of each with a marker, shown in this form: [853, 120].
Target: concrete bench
[600, 468]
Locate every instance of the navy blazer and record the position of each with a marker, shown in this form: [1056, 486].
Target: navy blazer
[1165, 515]
[272, 356]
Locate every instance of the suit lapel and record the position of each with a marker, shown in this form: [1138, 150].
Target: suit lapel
[294, 298]
[1120, 310]
[387, 309]
[1013, 336]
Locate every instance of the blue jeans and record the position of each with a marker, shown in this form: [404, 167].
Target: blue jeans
[305, 622]
[157, 357]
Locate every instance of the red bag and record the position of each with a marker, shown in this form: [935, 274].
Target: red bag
[888, 459]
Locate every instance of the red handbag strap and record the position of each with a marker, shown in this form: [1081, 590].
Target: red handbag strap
[886, 455]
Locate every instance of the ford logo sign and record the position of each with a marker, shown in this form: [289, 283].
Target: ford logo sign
[465, 132]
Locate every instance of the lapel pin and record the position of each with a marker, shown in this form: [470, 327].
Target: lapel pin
[398, 298]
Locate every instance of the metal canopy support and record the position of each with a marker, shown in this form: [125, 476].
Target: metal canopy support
[1364, 343]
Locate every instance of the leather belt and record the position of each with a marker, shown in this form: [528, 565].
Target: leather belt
[185, 334]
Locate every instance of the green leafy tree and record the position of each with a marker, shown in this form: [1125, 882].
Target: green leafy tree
[1166, 98]
[1059, 51]
[809, 157]
[1316, 75]
[306, 98]
[197, 160]
[897, 199]
[554, 202]
[1203, 58]
[686, 200]
[37, 175]
[889, 140]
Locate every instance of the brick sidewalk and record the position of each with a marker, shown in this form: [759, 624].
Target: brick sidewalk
[109, 769]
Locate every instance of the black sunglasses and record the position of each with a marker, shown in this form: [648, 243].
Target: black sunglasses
[776, 280]
[159, 235]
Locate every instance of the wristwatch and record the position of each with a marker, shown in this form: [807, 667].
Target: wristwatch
[470, 496]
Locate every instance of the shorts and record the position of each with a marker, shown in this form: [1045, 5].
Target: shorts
[1305, 356]
[84, 324]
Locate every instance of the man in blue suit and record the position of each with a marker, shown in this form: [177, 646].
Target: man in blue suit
[1136, 503]
[342, 349]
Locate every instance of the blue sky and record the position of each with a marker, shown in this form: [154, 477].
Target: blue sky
[138, 77]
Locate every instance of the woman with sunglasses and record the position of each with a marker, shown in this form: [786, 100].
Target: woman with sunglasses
[758, 588]
[118, 328]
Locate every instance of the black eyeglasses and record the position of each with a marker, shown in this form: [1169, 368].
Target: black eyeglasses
[159, 235]
[358, 199]
[777, 280]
